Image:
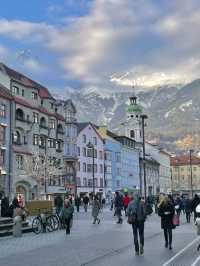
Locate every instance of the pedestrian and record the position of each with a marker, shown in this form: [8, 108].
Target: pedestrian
[195, 202]
[67, 215]
[4, 206]
[58, 202]
[137, 212]
[178, 205]
[96, 206]
[77, 203]
[188, 209]
[166, 211]
[118, 207]
[85, 202]
[103, 202]
[126, 200]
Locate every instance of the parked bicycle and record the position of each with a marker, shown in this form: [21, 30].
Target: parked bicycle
[42, 223]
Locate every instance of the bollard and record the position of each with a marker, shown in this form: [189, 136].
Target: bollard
[17, 227]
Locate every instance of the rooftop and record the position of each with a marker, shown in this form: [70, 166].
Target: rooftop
[184, 160]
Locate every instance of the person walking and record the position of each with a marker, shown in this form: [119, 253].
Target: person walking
[67, 215]
[166, 211]
[194, 203]
[58, 202]
[187, 209]
[137, 211]
[126, 200]
[77, 203]
[85, 202]
[118, 207]
[96, 206]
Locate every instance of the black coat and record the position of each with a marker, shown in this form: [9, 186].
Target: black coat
[166, 211]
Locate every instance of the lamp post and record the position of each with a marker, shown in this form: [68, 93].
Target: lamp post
[91, 146]
[191, 176]
[144, 162]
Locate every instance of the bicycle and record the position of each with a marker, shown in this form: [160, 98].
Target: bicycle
[56, 221]
[42, 223]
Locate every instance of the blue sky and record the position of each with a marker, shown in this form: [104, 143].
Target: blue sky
[102, 43]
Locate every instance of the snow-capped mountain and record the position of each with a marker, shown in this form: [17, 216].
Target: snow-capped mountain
[173, 112]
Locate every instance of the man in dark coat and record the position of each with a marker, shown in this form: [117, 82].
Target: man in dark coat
[85, 202]
[77, 203]
[188, 209]
[4, 206]
[118, 207]
[166, 211]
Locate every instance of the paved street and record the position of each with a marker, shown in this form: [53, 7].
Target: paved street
[107, 244]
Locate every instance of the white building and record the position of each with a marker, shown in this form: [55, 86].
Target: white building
[87, 134]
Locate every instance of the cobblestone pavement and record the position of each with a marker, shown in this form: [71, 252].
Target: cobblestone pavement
[107, 244]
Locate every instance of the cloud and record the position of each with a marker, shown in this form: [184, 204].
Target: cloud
[119, 42]
[3, 52]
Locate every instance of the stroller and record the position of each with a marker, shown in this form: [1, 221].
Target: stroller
[197, 222]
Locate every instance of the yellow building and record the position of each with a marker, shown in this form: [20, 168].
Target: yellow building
[185, 175]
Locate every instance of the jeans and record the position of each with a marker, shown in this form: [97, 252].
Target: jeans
[77, 208]
[85, 207]
[138, 228]
[168, 236]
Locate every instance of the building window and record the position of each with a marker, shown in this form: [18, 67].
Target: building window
[101, 182]
[132, 134]
[84, 152]
[2, 110]
[118, 171]
[23, 92]
[85, 182]
[78, 151]
[101, 168]
[19, 162]
[42, 142]
[35, 139]
[78, 166]
[108, 156]
[42, 102]
[90, 183]
[17, 138]
[15, 90]
[34, 95]
[35, 118]
[108, 169]
[95, 141]
[52, 105]
[60, 129]
[43, 123]
[19, 114]
[2, 157]
[100, 155]
[52, 123]
[118, 183]
[95, 182]
[89, 168]
[2, 134]
[118, 157]
[84, 167]
[84, 139]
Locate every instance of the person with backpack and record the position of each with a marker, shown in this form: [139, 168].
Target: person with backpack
[136, 213]
[166, 211]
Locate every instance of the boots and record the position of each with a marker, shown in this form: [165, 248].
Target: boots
[141, 249]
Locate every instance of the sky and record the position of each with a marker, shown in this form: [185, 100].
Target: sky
[102, 43]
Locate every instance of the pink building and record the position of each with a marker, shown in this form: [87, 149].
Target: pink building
[87, 134]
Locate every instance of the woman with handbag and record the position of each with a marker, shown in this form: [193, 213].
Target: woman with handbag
[166, 212]
[136, 217]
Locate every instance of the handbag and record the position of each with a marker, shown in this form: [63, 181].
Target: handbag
[175, 220]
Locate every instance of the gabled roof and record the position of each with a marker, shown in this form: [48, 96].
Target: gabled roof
[81, 126]
[43, 110]
[18, 77]
[5, 93]
[70, 103]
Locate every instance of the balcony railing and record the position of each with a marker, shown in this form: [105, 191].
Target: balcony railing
[21, 119]
[44, 126]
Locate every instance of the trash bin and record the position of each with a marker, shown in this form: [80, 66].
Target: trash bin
[17, 227]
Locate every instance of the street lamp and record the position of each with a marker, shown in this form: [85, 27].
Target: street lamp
[144, 162]
[91, 146]
[191, 176]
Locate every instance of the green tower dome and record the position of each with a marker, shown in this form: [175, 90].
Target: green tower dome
[133, 107]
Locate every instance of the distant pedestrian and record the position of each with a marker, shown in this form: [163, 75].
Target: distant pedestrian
[188, 209]
[126, 200]
[166, 211]
[137, 212]
[77, 203]
[96, 206]
[103, 202]
[118, 207]
[67, 215]
[58, 202]
[194, 203]
[178, 205]
[86, 202]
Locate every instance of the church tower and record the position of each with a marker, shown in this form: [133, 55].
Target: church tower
[133, 123]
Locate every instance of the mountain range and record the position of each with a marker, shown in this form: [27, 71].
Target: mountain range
[173, 112]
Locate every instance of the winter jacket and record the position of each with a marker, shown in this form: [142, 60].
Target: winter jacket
[138, 208]
[95, 208]
[67, 212]
[166, 212]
